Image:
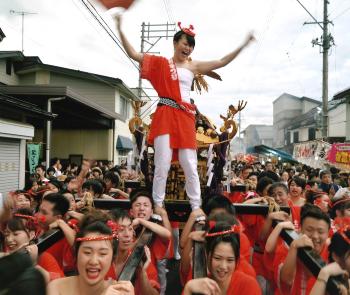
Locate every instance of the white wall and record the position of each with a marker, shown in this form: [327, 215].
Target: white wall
[5, 78]
[308, 105]
[337, 121]
[96, 91]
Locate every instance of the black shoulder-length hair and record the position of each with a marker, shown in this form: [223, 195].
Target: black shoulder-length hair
[190, 39]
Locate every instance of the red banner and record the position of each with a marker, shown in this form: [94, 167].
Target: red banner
[339, 153]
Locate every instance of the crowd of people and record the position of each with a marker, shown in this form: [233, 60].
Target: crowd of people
[244, 253]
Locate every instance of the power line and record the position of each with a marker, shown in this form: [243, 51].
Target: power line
[340, 14]
[108, 31]
[309, 13]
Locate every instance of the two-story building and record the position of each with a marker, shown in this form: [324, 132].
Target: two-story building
[294, 119]
[258, 135]
[92, 110]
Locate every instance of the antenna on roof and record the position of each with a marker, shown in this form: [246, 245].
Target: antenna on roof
[22, 13]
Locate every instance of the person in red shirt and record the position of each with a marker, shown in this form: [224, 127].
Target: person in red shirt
[95, 247]
[141, 210]
[173, 124]
[339, 256]
[222, 249]
[146, 277]
[20, 232]
[291, 275]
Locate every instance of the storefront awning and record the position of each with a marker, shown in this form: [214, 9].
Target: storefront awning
[269, 151]
[124, 143]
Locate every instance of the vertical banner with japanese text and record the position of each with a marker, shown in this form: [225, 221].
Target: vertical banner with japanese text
[33, 150]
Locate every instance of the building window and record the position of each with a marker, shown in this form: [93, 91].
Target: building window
[288, 137]
[124, 107]
[312, 133]
[295, 137]
[8, 67]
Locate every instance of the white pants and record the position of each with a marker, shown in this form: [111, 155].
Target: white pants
[162, 160]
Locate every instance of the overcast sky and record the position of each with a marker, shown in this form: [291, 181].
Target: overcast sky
[64, 33]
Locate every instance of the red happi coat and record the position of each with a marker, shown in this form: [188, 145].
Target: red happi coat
[178, 123]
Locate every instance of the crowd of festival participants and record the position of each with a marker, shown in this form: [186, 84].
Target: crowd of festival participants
[245, 254]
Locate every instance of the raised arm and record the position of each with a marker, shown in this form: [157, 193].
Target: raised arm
[132, 53]
[207, 66]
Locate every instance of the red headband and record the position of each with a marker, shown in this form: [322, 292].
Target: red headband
[96, 238]
[347, 199]
[236, 229]
[112, 225]
[35, 219]
[188, 30]
[342, 225]
[32, 222]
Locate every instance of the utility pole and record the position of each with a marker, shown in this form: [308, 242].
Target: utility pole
[148, 34]
[22, 13]
[325, 44]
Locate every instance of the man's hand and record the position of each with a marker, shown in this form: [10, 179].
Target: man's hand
[196, 213]
[279, 215]
[33, 252]
[136, 222]
[198, 235]
[302, 241]
[286, 225]
[332, 269]
[120, 288]
[160, 211]
[204, 286]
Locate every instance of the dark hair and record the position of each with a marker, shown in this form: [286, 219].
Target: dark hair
[24, 193]
[94, 222]
[270, 174]
[231, 238]
[254, 173]
[217, 201]
[69, 179]
[50, 169]
[309, 210]
[190, 39]
[341, 207]
[140, 192]
[325, 172]
[93, 185]
[276, 185]
[113, 177]
[55, 182]
[298, 181]
[40, 166]
[20, 223]
[61, 204]
[54, 161]
[312, 182]
[339, 246]
[311, 196]
[263, 183]
[119, 213]
[18, 275]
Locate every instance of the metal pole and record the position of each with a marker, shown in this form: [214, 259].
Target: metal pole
[142, 50]
[49, 130]
[325, 46]
[22, 13]
[22, 31]
[48, 135]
